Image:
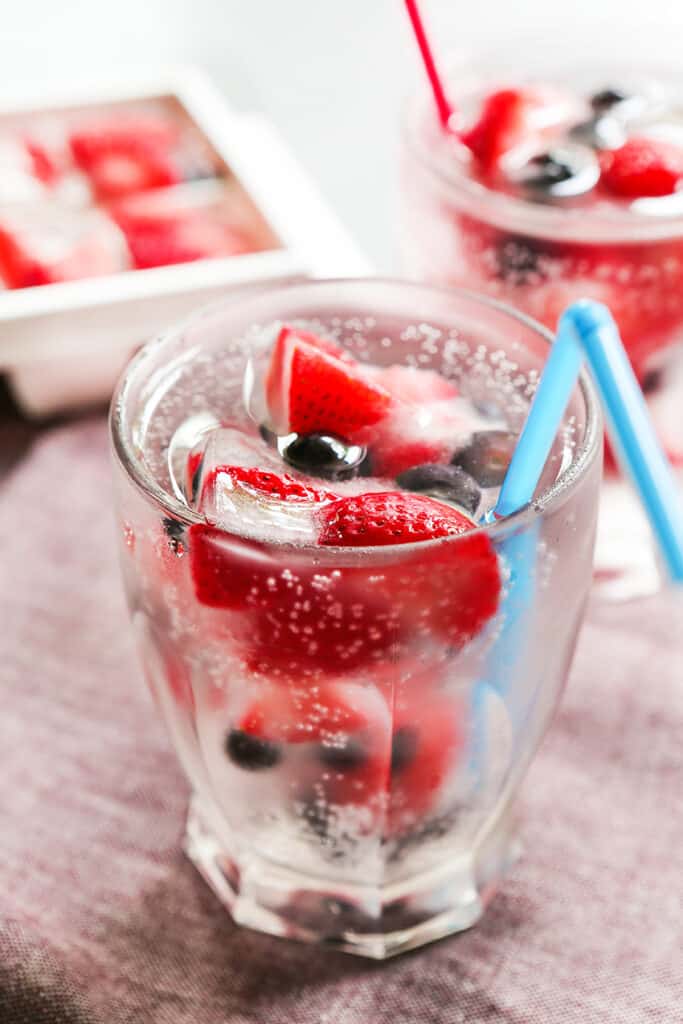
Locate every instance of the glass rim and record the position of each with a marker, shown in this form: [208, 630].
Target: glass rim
[514, 213]
[169, 505]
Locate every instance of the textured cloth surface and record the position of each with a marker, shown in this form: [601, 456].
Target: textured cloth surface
[104, 921]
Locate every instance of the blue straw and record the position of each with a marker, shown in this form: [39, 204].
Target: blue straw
[554, 390]
[588, 327]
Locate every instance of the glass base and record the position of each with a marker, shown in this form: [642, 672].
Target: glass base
[368, 920]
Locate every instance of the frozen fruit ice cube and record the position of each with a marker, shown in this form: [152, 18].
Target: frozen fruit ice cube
[127, 153]
[47, 243]
[240, 485]
[179, 226]
[414, 434]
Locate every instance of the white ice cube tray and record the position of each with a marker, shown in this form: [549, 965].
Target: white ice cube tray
[63, 345]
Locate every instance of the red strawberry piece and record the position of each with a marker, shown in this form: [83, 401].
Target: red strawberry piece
[310, 389]
[502, 125]
[642, 167]
[17, 268]
[451, 590]
[118, 173]
[304, 619]
[426, 744]
[260, 483]
[281, 351]
[37, 253]
[388, 517]
[42, 163]
[333, 622]
[226, 572]
[127, 155]
[159, 236]
[125, 134]
[329, 714]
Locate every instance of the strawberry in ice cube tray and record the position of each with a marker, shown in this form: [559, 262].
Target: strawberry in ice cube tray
[126, 154]
[45, 243]
[172, 226]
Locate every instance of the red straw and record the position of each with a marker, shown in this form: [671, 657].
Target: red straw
[443, 106]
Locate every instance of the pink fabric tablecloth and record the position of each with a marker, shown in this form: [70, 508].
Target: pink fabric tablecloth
[103, 919]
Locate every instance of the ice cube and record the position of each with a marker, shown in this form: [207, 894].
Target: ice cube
[188, 437]
[225, 503]
[45, 243]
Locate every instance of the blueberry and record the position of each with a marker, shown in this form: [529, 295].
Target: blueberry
[652, 380]
[403, 748]
[343, 756]
[487, 456]
[250, 752]
[519, 260]
[608, 98]
[323, 455]
[449, 483]
[561, 173]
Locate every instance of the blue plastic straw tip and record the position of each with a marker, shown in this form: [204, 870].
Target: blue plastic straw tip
[586, 315]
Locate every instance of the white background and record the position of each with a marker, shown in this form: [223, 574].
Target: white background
[330, 73]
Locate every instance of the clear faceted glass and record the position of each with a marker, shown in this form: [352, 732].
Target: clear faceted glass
[410, 843]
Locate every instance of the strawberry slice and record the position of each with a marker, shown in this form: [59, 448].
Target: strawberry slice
[388, 517]
[118, 174]
[160, 231]
[47, 245]
[122, 134]
[310, 388]
[642, 167]
[451, 590]
[303, 619]
[260, 483]
[127, 155]
[502, 125]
